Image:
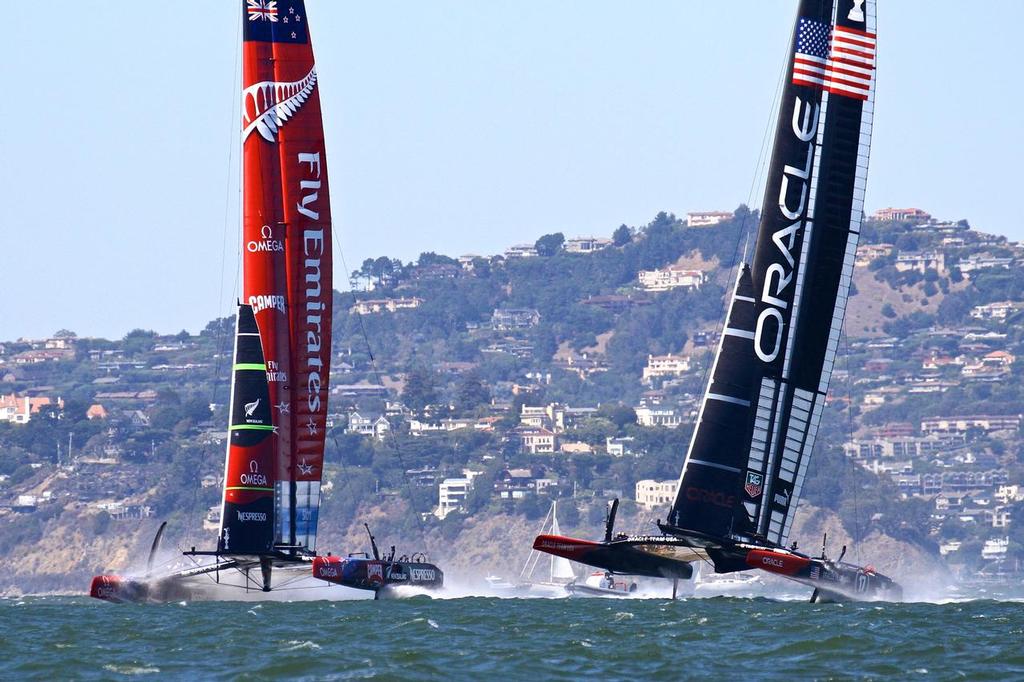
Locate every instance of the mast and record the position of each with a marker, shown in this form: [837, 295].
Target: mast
[748, 458]
[561, 569]
[287, 250]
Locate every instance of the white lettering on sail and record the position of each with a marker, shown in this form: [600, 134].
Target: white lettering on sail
[314, 294]
[775, 270]
[779, 275]
[768, 355]
[313, 246]
[805, 131]
[309, 199]
[260, 302]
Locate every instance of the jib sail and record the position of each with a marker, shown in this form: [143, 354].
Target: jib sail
[286, 249]
[247, 511]
[748, 458]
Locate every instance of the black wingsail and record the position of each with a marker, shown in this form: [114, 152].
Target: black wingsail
[247, 514]
[748, 458]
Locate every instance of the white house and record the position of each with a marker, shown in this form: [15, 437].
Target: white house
[671, 277]
[666, 366]
[652, 494]
[370, 306]
[366, 426]
[452, 492]
[995, 311]
[647, 416]
[706, 218]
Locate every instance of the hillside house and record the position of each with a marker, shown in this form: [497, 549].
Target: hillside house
[881, 466]
[370, 427]
[666, 417]
[869, 252]
[31, 357]
[707, 218]
[901, 215]
[535, 440]
[514, 318]
[921, 261]
[998, 358]
[582, 366]
[96, 411]
[520, 251]
[435, 272]
[996, 311]
[898, 446]
[983, 262]
[937, 362]
[943, 226]
[652, 494]
[995, 549]
[671, 277]
[20, 409]
[390, 305]
[419, 427]
[666, 366]
[586, 244]
[619, 447]
[517, 484]
[452, 493]
[576, 447]
[961, 425]
[424, 477]
[551, 417]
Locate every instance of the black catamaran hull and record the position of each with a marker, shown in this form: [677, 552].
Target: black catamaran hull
[832, 581]
[377, 575]
[650, 556]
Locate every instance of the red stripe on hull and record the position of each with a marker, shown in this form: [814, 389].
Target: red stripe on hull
[570, 548]
[777, 562]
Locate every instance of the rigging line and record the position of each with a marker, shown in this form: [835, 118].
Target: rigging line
[760, 171]
[394, 440]
[850, 427]
[220, 337]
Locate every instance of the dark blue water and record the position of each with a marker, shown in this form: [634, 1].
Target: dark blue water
[475, 638]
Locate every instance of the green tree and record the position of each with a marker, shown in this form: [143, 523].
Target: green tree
[549, 244]
[622, 236]
[471, 392]
[420, 389]
[618, 414]
[139, 341]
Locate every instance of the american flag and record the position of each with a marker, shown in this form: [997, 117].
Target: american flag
[838, 59]
[262, 10]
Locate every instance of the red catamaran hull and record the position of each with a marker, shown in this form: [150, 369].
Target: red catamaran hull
[651, 556]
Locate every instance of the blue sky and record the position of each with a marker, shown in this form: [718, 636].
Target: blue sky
[452, 126]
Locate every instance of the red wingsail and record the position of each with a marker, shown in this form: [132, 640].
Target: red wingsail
[287, 248]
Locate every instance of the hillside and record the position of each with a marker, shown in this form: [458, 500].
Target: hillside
[566, 368]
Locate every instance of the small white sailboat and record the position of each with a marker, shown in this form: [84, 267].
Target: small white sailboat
[707, 583]
[552, 582]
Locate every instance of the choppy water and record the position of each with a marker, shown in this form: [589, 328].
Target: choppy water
[474, 638]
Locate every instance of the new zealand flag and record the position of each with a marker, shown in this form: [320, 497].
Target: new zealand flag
[275, 21]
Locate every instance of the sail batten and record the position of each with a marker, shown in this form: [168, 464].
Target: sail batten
[778, 362]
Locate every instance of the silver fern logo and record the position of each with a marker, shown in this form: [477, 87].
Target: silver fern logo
[266, 106]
